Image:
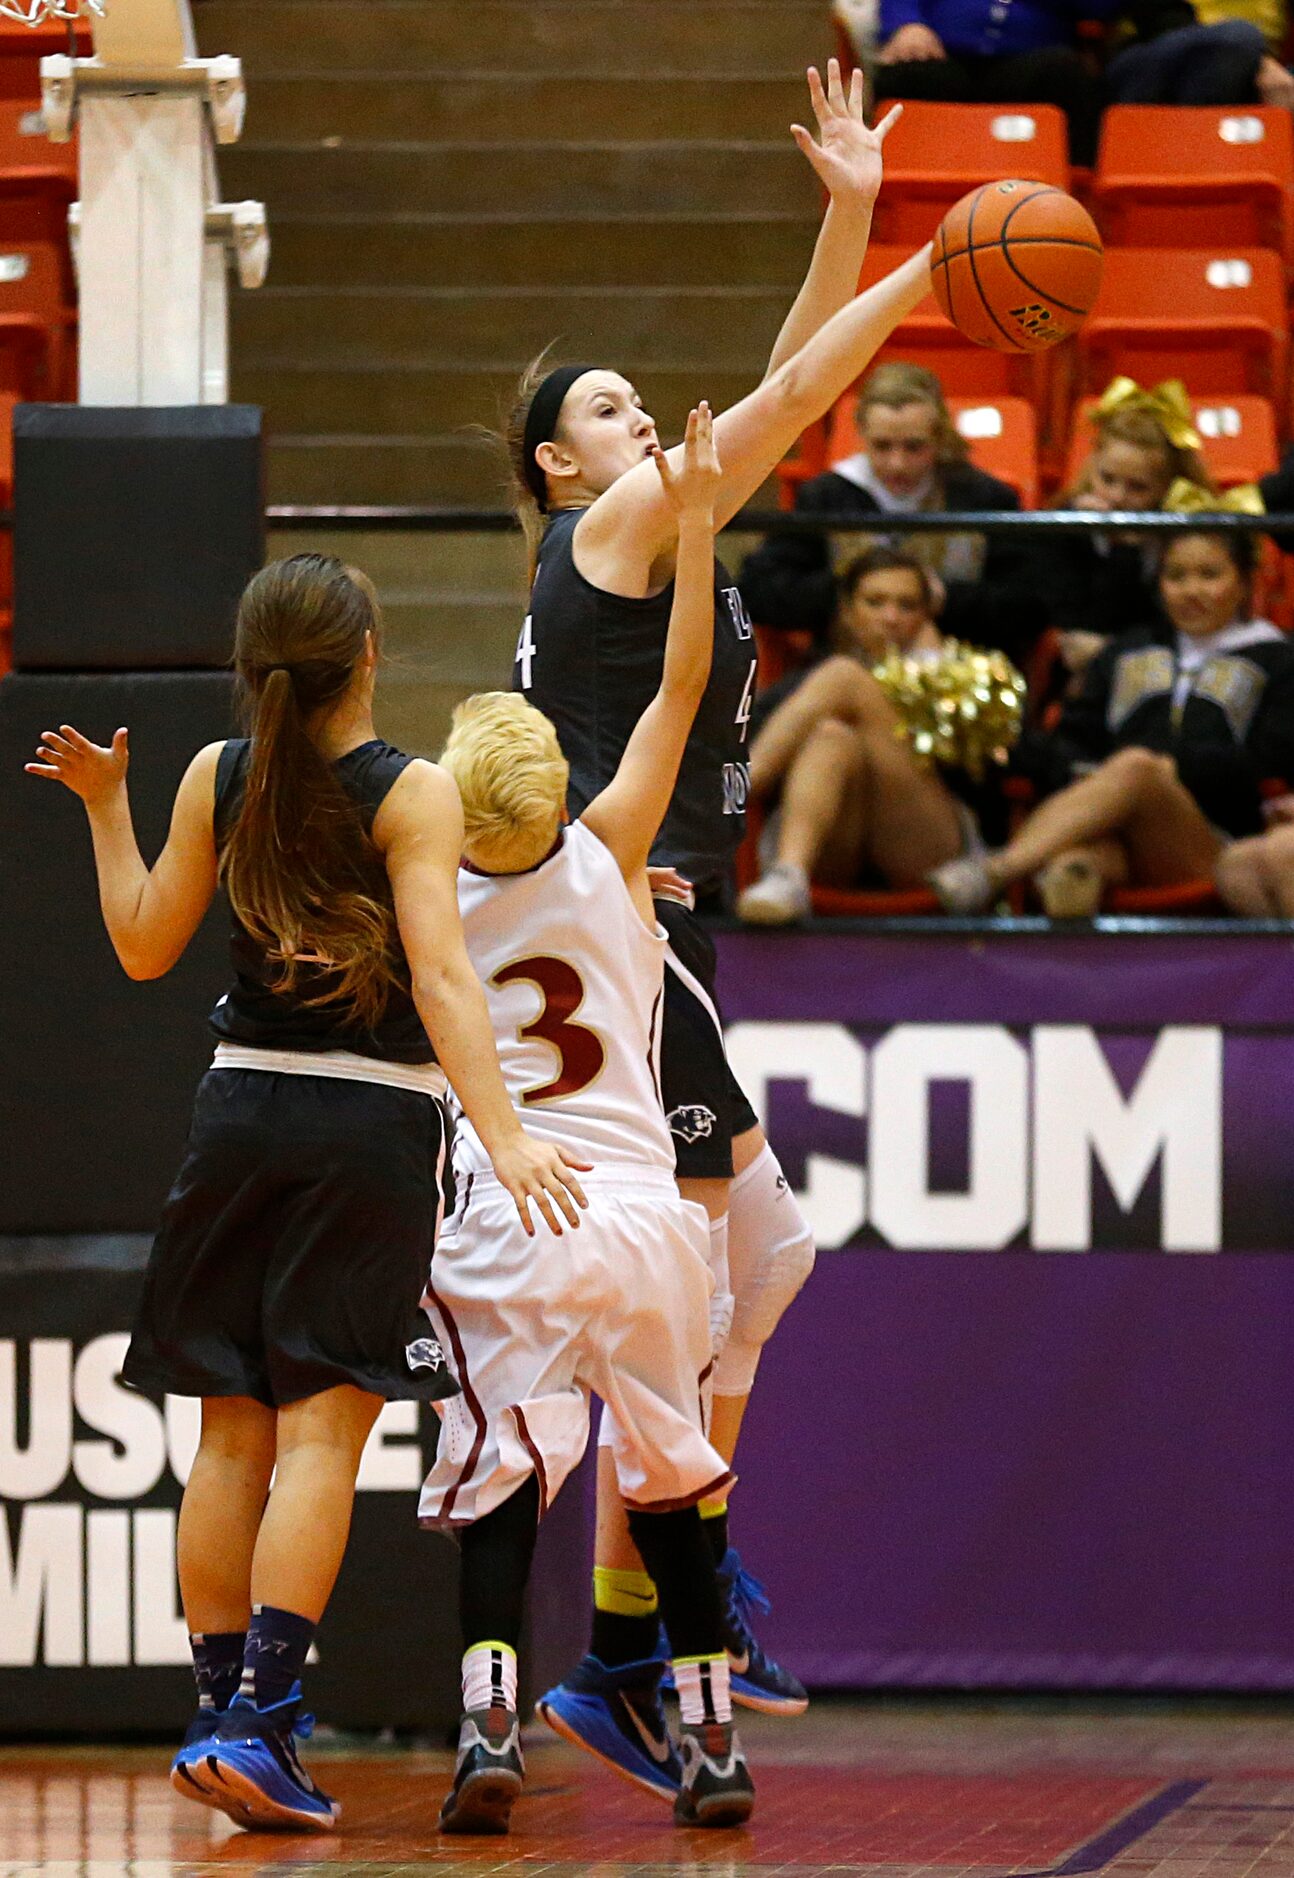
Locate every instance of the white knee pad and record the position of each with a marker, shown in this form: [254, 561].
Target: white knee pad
[721, 1298]
[770, 1255]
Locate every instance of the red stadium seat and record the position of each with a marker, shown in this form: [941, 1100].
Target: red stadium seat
[34, 324]
[30, 165]
[23, 47]
[1188, 897]
[875, 903]
[1238, 436]
[1208, 176]
[936, 152]
[1214, 317]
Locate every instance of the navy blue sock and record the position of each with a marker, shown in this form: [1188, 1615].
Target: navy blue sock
[275, 1654]
[217, 1665]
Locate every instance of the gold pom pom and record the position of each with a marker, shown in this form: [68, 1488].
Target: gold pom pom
[963, 707]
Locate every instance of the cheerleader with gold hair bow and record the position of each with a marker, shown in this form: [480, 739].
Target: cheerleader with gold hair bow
[1144, 444]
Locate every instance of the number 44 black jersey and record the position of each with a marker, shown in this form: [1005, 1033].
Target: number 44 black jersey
[591, 661]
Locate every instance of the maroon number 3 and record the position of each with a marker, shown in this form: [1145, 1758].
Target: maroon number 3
[580, 1052]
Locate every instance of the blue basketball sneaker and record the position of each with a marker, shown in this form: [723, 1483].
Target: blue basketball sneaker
[249, 1769]
[617, 1716]
[196, 1736]
[756, 1680]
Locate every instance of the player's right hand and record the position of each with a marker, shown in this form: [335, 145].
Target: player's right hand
[539, 1171]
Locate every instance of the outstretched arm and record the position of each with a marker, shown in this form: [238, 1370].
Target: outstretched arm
[419, 829]
[848, 164]
[150, 913]
[627, 815]
[631, 527]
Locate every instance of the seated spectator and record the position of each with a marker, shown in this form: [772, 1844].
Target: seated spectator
[913, 458]
[1165, 53]
[854, 799]
[994, 52]
[1144, 442]
[1255, 877]
[1271, 17]
[1164, 752]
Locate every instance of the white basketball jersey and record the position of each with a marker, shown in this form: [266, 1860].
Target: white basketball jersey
[574, 982]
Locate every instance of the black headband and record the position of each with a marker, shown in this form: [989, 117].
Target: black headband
[541, 422]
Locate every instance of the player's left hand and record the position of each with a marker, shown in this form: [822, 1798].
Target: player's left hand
[847, 160]
[693, 489]
[666, 883]
[541, 1172]
[86, 768]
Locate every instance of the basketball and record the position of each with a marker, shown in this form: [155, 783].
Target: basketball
[1017, 265]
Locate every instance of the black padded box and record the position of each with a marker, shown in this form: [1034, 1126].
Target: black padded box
[135, 531]
[96, 1073]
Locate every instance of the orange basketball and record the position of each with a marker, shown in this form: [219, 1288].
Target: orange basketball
[1016, 265]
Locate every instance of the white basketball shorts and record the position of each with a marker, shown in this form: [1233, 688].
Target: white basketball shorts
[618, 1308]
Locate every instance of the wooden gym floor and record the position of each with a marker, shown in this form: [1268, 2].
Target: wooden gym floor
[887, 1789]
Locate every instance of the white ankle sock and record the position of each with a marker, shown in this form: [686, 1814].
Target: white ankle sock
[490, 1676]
[704, 1690]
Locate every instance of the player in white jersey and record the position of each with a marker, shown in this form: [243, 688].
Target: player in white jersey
[560, 926]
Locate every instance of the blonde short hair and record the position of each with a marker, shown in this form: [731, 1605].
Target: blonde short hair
[512, 777]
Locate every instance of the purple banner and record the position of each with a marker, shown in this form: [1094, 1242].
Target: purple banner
[1018, 1468]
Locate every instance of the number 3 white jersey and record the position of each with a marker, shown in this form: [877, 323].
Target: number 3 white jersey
[574, 981]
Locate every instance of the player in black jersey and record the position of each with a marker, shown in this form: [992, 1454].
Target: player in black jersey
[590, 658]
[284, 1284]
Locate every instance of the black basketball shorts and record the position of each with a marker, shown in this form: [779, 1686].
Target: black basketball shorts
[704, 1104]
[295, 1245]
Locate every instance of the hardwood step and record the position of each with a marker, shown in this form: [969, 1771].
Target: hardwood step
[433, 251]
[414, 565]
[441, 472]
[502, 107]
[309, 469]
[529, 36]
[524, 178]
[729, 329]
[429, 401]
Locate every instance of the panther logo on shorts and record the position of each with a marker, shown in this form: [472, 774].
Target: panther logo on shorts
[691, 1122]
[424, 1353]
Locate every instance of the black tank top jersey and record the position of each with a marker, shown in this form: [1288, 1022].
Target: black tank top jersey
[592, 662]
[253, 1012]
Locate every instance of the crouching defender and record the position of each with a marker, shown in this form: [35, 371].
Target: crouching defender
[560, 925]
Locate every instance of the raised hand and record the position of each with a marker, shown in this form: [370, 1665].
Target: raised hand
[86, 768]
[693, 489]
[848, 157]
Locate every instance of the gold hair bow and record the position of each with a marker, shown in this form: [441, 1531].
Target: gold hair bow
[1187, 498]
[1167, 403]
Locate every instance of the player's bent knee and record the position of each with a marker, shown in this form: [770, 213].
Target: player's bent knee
[735, 1367]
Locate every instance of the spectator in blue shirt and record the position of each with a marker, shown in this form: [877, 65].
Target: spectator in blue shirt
[994, 52]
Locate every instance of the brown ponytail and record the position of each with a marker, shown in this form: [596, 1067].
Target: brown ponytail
[300, 870]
